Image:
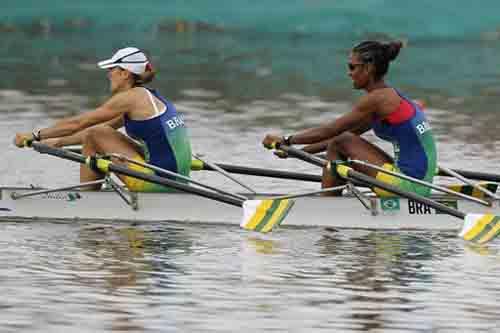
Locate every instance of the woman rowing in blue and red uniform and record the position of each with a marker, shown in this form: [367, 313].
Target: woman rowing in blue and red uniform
[392, 116]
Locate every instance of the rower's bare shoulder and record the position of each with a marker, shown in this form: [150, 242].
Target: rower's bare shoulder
[370, 102]
[131, 97]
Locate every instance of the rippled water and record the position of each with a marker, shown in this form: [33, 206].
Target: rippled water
[89, 277]
[155, 277]
[237, 75]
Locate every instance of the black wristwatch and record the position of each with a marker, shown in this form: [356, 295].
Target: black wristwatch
[36, 135]
[287, 140]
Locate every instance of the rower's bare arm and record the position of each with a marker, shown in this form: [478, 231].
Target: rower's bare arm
[319, 147]
[348, 122]
[363, 127]
[78, 137]
[114, 108]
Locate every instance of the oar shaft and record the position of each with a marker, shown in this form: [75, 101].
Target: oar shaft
[420, 182]
[307, 194]
[468, 182]
[225, 174]
[174, 174]
[361, 177]
[44, 149]
[266, 172]
[474, 175]
[431, 203]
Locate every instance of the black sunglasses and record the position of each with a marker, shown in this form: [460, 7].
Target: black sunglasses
[352, 66]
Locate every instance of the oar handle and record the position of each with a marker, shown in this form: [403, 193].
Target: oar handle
[300, 154]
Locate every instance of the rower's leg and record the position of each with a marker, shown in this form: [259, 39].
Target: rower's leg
[104, 139]
[354, 147]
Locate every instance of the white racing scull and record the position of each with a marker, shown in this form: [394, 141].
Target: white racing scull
[259, 212]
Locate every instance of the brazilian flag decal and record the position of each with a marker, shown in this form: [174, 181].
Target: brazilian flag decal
[389, 204]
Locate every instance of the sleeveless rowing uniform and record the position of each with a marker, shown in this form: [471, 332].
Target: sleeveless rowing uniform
[165, 144]
[414, 147]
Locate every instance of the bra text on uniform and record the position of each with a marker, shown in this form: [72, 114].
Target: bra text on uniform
[423, 127]
[175, 122]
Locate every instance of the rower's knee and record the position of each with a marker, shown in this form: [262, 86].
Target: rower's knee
[340, 144]
[95, 133]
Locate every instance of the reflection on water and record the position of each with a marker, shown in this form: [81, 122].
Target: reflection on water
[150, 277]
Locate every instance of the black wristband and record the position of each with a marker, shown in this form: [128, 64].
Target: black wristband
[287, 140]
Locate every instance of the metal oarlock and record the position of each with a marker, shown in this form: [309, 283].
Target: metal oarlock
[132, 200]
[368, 202]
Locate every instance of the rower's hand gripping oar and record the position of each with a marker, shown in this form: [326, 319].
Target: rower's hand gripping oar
[479, 228]
[258, 215]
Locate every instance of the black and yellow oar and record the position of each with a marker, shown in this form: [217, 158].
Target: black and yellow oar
[442, 171]
[198, 165]
[258, 215]
[479, 228]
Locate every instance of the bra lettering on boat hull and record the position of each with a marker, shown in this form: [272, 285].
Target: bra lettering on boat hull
[417, 208]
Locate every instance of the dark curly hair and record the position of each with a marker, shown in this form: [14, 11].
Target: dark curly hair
[379, 54]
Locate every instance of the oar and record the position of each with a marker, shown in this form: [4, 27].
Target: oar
[468, 182]
[225, 173]
[258, 215]
[489, 177]
[420, 182]
[479, 228]
[473, 175]
[161, 171]
[197, 165]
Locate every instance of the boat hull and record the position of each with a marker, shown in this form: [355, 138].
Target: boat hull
[344, 212]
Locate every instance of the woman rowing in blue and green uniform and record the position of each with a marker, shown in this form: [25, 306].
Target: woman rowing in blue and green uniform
[392, 116]
[156, 132]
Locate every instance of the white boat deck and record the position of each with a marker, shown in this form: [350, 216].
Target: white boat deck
[338, 212]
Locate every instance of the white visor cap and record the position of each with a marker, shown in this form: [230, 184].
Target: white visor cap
[129, 58]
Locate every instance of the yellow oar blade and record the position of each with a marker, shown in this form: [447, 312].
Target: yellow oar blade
[480, 228]
[263, 215]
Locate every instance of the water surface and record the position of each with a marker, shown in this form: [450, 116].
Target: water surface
[238, 71]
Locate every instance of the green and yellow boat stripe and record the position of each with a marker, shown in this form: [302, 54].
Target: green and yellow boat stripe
[268, 214]
[485, 229]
